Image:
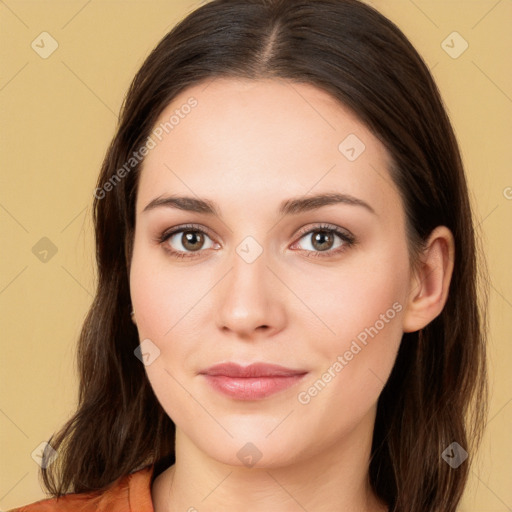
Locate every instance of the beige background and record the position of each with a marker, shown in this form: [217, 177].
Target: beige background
[59, 114]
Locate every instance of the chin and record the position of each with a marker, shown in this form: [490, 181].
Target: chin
[251, 450]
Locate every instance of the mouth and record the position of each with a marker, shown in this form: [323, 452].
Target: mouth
[253, 382]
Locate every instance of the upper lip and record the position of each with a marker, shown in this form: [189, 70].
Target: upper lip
[252, 370]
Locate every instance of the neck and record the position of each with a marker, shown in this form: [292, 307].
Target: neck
[337, 475]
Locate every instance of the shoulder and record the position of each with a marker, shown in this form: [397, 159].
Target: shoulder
[129, 493]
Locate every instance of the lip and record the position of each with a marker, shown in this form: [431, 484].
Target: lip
[251, 370]
[253, 382]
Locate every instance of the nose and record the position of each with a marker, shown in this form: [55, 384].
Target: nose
[250, 300]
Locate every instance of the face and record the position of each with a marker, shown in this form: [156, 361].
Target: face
[317, 287]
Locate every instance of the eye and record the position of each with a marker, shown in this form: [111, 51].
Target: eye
[322, 241]
[183, 239]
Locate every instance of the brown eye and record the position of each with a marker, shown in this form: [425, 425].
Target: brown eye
[192, 240]
[184, 242]
[322, 240]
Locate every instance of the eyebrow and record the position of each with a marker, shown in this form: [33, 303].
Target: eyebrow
[293, 206]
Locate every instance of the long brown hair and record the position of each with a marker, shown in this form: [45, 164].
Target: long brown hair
[437, 391]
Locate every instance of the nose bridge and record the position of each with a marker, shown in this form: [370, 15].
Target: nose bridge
[249, 298]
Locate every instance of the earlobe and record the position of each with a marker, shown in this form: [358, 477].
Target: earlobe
[431, 281]
[132, 315]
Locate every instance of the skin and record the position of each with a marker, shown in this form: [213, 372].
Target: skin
[247, 146]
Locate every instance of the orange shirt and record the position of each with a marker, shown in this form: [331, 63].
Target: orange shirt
[131, 493]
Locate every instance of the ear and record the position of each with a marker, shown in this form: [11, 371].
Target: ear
[430, 282]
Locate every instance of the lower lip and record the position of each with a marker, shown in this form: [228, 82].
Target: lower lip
[251, 388]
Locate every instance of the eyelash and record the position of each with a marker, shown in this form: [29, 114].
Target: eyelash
[347, 238]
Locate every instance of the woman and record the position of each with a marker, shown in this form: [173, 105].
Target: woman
[286, 316]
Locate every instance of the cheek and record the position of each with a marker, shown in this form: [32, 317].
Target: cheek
[161, 305]
[159, 298]
[361, 309]
[367, 292]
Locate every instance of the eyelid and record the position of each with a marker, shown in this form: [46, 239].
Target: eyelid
[184, 227]
[344, 233]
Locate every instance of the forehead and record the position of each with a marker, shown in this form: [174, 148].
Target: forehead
[231, 138]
